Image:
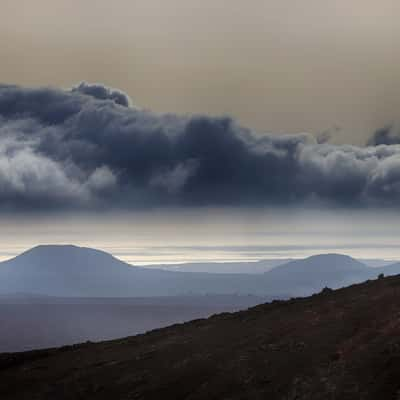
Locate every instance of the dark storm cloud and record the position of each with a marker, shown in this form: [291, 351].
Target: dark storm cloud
[102, 92]
[387, 135]
[86, 147]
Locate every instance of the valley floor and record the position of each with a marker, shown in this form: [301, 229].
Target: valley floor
[33, 322]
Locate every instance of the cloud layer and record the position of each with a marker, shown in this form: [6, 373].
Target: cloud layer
[388, 135]
[88, 147]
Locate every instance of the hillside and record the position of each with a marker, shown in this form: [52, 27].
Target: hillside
[341, 344]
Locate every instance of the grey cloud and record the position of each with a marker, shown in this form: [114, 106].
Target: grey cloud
[27, 178]
[87, 148]
[387, 135]
[102, 92]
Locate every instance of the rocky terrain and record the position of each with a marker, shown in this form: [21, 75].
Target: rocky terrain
[342, 344]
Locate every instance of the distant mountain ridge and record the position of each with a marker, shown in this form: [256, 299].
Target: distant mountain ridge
[334, 270]
[226, 267]
[67, 270]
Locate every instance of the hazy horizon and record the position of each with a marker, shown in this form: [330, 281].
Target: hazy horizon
[211, 234]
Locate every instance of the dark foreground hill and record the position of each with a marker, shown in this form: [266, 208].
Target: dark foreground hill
[342, 344]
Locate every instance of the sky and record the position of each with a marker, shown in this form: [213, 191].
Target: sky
[276, 66]
[184, 130]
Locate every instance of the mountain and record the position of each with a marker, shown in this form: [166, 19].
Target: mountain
[64, 271]
[76, 271]
[82, 272]
[392, 269]
[248, 267]
[341, 344]
[237, 267]
[310, 274]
